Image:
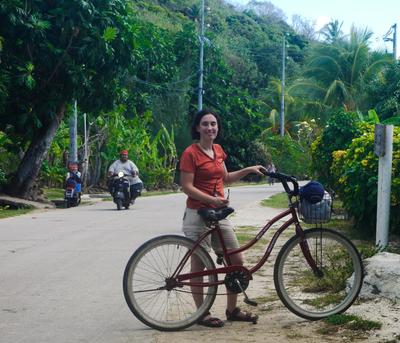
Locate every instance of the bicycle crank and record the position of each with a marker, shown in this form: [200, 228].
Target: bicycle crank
[237, 282]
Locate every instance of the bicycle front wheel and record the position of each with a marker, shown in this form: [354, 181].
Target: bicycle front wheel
[145, 284]
[328, 290]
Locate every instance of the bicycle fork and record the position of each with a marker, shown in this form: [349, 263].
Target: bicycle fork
[312, 262]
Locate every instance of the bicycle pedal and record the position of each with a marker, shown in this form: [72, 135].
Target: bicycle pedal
[220, 259]
[250, 302]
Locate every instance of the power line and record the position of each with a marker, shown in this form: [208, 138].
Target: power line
[157, 84]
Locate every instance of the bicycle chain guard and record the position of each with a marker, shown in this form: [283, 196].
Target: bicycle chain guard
[241, 276]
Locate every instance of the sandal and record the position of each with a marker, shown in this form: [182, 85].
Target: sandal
[238, 316]
[211, 322]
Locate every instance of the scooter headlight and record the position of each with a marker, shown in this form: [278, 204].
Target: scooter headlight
[120, 174]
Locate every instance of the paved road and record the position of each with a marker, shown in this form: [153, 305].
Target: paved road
[61, 270]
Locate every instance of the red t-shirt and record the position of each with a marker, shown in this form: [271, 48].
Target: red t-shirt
[208, 172]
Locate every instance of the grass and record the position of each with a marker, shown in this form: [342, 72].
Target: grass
[352, 322]
[243, 237]
[351, 326]
[5, 212]
[267, 299]
[323, 301]
[245, 228]
[152, 193]
[279, 200]
[53, 193]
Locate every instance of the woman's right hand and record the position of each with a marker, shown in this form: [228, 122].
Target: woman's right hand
[220, 202]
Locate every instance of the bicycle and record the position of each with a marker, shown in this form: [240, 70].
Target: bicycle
[317, 273]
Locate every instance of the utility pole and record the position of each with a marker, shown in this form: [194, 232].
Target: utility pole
[383, 148]
[282, 117]
[73, 128]
[395, 41]
[85, 158]
[392, 30]
[201, 71]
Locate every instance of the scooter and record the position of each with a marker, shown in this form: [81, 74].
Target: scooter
[120, 190]
[72, 194]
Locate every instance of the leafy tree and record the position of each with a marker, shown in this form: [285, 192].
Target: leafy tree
[384, 92]
[337, 73]
[54, 52]
[155, 157]
[332, 33]
[304, 27]
[355, 171]
[340, 130]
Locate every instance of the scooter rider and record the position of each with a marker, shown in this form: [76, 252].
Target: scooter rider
[73, 172]
[130, 170]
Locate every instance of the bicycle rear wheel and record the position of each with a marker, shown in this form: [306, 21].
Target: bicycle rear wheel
[333, 289]
[145, 278]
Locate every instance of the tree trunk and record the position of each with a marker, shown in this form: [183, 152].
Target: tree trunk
[28, 170]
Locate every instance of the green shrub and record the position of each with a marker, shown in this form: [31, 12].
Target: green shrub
[355, 172]
[341, 128]
[288, 155]
[52, 175]
[3, 178]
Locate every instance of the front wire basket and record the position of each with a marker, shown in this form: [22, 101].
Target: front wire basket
[316, 213]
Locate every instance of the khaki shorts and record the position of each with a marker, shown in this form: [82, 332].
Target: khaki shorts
[194, 226]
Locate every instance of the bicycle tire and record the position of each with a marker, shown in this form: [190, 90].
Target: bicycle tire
[148, 269]
[315, 297]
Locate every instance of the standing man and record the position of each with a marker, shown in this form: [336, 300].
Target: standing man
[131, 171]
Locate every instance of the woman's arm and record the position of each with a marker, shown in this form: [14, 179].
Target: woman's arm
[194, 193]
[240, 174]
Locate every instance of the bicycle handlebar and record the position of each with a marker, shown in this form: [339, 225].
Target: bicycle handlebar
[284, 179]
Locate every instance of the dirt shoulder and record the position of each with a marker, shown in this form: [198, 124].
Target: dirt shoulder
[276, 323]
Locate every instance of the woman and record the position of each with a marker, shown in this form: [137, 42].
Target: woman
[203, 175]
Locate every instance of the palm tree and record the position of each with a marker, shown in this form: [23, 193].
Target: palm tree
[337, 73]
[332, 32]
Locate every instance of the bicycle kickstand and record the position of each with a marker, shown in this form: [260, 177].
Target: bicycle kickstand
[247, 300]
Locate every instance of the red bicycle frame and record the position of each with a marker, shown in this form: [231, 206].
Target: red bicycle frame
[179, 279]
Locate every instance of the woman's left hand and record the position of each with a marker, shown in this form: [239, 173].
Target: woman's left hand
[259, 170]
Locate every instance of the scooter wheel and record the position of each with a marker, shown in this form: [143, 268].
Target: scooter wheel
[119, 204]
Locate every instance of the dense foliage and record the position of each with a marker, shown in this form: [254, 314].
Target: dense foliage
[54, 52]
[338, 134]
[133, 67]
[355, 172]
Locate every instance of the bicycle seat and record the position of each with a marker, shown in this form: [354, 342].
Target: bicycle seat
[215, 214]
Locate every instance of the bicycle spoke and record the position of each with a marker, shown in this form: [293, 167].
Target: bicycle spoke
[336, 285]
[145, 284]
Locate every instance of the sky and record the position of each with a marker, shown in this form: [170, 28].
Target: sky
[378, 16]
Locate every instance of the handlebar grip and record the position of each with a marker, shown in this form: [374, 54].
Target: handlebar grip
[284, 179]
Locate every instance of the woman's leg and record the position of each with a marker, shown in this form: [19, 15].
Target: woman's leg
[196, 266]
[236, 259]
[232, 311]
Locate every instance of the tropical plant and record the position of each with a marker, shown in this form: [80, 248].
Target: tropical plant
[337, 74]
[340, 130]
[355, 171]
[155, 156]
[54, 53]
[332, 33]
[288, 155]
[384, 94]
